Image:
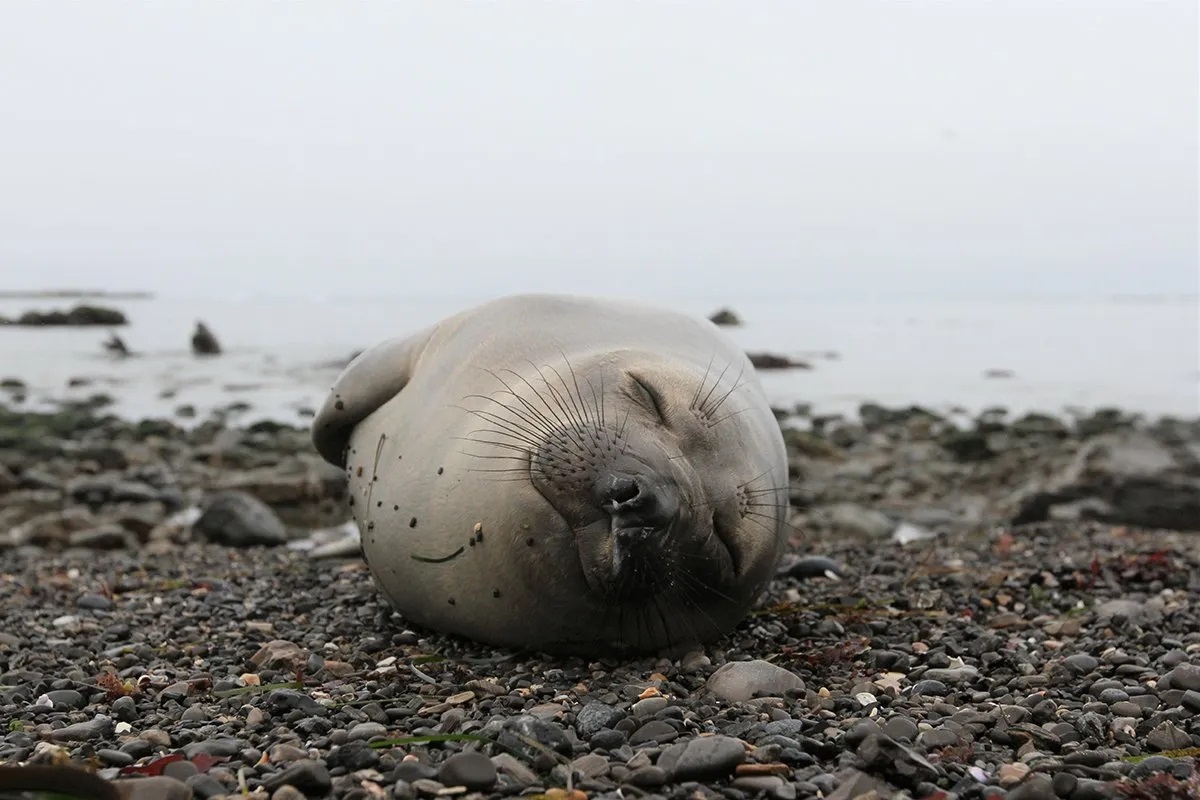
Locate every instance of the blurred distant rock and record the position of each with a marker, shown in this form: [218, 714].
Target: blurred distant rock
[772, 361]
[239, 519]
[79, 315]
[725, 316]
[204, 343]
[1136, 477]
[116, 345]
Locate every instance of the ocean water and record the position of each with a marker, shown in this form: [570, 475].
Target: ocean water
[282, 354]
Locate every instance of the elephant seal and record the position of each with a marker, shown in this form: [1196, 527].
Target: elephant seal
[563, 473]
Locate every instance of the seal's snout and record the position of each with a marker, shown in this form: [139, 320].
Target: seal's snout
[640, 502]
[641, 510]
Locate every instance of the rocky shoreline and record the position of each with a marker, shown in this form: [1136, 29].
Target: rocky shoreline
[1016, 616]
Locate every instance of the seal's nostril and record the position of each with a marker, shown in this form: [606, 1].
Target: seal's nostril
[624, 490]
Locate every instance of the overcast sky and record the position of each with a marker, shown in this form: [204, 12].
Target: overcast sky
[437, 146]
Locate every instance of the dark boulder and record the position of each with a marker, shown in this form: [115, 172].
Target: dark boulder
[239, 519]
[772, 361]
[81, 315]
[1125, 478]
[204, 343]
[725, 316]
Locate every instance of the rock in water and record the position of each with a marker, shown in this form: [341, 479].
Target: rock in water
[78, 316]
[204, 343]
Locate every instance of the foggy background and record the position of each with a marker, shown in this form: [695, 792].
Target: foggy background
[740, 149]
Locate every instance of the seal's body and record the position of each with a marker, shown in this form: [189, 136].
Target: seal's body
[563, 473]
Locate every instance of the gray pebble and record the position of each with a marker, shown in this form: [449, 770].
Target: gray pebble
[194, 713]
[507, 764]
[703, 758]
[206, 786]
[239, 519]
[1081, 663]
[1167, 736]
[931, 688]
[1183, 676]
[413, 771]
[648, 777]
[67, 697]
[96, 602]
[427, 787]
[937, 738]
[114, 758]
[180, 770]
[1035, 787]
[1150, 765]
[97, 729]
[1127, 709]
[607, 740]
[644, 709]
[654, 731]
[592, 765]
[738, 681]
[471, 769]
[771, 785]
[957, 675]
[310, 777]
[901, 728]
[595, 717]
[157, 787]
[288, 792]
[366, 730]
[1111, 696]
[125, 709]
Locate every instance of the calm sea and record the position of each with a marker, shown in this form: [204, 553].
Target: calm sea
[1136, 354]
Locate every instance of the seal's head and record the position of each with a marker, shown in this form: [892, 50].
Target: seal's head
[673, 498]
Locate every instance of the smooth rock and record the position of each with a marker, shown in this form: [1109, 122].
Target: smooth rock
[739, 681]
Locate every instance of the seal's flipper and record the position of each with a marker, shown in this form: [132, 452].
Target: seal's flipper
[374, 376]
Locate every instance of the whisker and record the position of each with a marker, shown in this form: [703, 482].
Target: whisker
[563, 427]
[546, 424]
[577, 396]
[731, 414]
[737, 384]
[703, 380]
[716, 383]
[565, 404]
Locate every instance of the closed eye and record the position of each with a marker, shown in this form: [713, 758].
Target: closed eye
[651, 397]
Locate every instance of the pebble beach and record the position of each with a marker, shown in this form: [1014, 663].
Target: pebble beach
[502, 269]
[1001, 608]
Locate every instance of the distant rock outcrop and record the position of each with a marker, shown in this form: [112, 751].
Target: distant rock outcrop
[772, 361]
[725, 316]
[80, 315]
[204, 343]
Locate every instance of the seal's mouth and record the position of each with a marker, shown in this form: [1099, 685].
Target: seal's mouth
[642, 510]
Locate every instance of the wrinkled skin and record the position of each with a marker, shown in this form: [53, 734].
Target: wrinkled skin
[563, 473]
